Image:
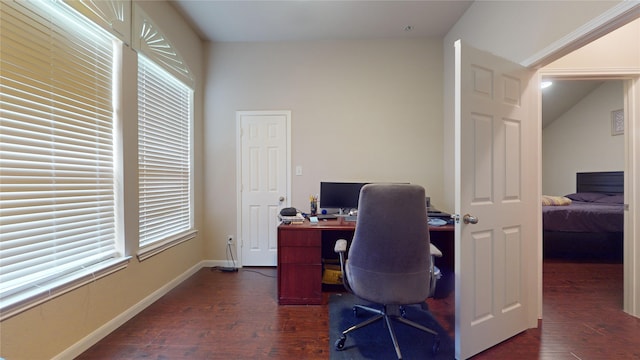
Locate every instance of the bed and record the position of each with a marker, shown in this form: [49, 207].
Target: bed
[588, 224]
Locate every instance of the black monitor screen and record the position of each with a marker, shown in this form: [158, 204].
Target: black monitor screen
[340, 195]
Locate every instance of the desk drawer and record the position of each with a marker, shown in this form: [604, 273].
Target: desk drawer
[300, 255]
[298, 238]
[299, 284]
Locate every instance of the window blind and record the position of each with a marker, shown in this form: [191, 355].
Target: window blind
[57, 197]
[164, 154]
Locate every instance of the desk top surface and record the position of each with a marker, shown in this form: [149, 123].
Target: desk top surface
[341, 224]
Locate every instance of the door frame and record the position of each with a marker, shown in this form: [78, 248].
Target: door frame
[287, 201]
[614, 18]
[631, 94]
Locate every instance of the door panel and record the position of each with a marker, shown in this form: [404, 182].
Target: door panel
[264, 169]
[496, 182]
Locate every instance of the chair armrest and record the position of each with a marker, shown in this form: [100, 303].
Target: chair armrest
[435, 251]
[341, 246]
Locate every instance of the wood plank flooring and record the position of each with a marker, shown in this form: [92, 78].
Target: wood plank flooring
[215, 315]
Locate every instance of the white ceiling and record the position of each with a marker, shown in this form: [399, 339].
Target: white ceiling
[306, 20]
[312, 20]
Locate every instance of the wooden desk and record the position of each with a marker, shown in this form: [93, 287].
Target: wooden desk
[301, 248]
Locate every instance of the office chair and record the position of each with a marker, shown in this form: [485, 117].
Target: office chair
[389, 260]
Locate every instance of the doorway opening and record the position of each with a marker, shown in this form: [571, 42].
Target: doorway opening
[583, 162]
[580, 143]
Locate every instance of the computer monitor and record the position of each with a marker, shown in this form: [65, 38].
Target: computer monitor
[340, 195]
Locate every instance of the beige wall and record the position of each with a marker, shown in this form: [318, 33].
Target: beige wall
[619, 50]
[361, 111]
[57, 327]
[580, 140]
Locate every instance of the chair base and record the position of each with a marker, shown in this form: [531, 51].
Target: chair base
[389, 312]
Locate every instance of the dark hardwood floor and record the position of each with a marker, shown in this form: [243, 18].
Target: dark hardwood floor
[215, 315]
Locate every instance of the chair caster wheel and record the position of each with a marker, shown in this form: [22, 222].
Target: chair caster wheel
[340, 342]
[436, 346]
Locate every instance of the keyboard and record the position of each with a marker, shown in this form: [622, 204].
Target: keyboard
[351, 218]
[326, 217]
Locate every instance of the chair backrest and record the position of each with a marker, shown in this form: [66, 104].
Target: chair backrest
[389, 258]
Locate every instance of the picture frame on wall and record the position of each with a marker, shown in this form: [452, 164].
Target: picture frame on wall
[617, 122]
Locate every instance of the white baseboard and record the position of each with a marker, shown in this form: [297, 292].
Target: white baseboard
[93, 338]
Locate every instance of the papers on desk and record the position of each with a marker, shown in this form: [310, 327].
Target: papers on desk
[297, 219]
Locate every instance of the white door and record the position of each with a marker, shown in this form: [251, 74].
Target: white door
[264, 189]
[496, 162]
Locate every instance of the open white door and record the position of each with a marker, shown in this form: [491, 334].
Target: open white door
[497, 186]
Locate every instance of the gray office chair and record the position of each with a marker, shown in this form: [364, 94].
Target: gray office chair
[389, 260]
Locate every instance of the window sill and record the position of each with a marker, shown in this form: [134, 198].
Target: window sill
[40, 293]
[160, 246]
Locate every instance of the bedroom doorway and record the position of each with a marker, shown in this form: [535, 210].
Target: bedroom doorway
[587, 58]
[580, 149]
[559, 167]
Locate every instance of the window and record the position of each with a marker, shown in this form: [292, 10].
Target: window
[164, 158]
[59, 225]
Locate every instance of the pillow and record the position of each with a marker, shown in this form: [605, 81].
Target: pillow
[548, 200]
[586, 196]
[612, 199]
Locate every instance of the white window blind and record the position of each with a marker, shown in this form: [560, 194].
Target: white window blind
[57, 197]
[164, 155]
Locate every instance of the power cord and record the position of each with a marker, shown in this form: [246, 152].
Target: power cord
[229, 254]
[234, 268]
[259, 273]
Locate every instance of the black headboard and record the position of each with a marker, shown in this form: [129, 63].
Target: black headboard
[610, 182]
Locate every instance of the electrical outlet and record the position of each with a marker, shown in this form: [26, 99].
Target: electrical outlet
[229, 239]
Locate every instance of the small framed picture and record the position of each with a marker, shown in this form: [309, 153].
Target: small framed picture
[617, 122]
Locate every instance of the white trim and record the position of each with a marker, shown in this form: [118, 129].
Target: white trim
[619, 15]
[97, 335]
[590, 74]
[631, 297]
[539, 250]
[239, 186]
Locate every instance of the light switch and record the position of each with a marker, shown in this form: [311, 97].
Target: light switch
[298, 170]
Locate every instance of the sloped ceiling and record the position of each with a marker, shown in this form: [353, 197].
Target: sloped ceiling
[562, 96]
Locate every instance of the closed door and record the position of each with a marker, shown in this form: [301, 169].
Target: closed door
[264, 167]
[496, 173]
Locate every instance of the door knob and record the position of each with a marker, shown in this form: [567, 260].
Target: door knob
[281, 198]
[468, 219]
